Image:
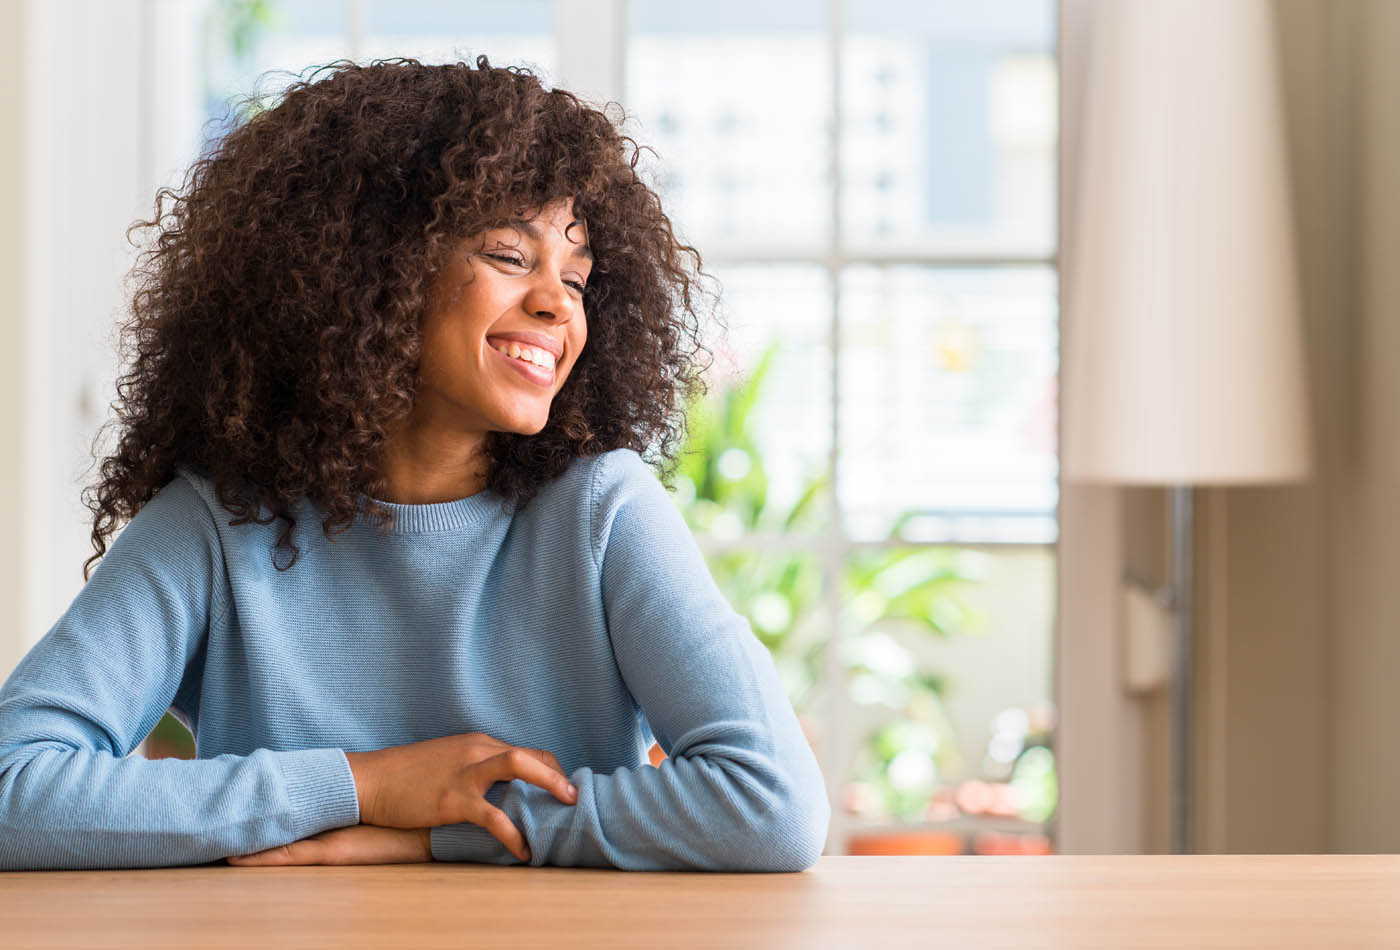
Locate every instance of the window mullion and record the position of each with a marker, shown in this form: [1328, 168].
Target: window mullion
[591, 44]
[835, 743]
[732, 256]
[356, 17]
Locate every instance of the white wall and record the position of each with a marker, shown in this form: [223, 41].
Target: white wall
[1310, 620]
[1366, 758]
[14, 376]
[73, 105]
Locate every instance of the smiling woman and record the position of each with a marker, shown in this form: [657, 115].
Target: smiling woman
[505, 325]
[391, 545]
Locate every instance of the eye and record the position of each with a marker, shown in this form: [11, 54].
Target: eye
[576, 284]
[513, 259]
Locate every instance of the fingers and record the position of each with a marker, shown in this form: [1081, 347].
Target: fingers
[547, 757]
[298, 852]
[444, 781]
[544, 755]
[521, 764]
[503, 830]
[515, 763]
[354, 844]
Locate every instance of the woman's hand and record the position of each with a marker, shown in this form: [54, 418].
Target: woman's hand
[357, 844]
[444, 782]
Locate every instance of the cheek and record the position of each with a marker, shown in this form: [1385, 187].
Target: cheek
[579, 332]
[578, 341]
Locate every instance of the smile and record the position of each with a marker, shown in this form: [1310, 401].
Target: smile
[534, 364]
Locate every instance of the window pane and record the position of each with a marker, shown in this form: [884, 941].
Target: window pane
[266, 46]
[949, 125]
[949, 675]
[948, 406]
[758, 448]
[509, 32]
[735, 98]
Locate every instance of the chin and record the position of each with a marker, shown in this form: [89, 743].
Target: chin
[525, 427]
[520, 417]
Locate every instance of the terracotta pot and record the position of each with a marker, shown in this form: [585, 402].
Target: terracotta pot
[998, 843]
[913, 841]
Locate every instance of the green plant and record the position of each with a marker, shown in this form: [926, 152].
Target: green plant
[233, 32]
[243, 23]
[895, 597]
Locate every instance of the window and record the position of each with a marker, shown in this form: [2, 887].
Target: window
[874, 476]
[875, 479]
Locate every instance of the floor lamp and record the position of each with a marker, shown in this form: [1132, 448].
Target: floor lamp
[1183, 355]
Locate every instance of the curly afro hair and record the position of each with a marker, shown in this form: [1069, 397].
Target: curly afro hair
[274, 329]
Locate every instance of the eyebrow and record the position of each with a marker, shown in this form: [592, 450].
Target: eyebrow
[530, 228]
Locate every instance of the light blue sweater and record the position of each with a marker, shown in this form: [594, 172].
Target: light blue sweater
[583, 625]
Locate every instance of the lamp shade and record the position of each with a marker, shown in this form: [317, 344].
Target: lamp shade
[1183, 352]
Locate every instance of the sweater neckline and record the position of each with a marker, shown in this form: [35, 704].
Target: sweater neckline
[442, 515]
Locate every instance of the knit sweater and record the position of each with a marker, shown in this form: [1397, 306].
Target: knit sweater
[584, 624]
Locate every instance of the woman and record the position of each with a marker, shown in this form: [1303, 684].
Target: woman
[392, 551]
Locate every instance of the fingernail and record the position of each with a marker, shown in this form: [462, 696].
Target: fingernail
[573, 792]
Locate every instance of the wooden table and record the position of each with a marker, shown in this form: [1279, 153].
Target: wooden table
[1331, 901]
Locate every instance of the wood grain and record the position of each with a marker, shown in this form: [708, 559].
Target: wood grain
[885, 902]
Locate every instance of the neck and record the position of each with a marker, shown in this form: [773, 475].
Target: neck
[422, 465]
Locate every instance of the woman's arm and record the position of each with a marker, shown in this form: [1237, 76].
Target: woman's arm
[741, 790]
[95, 685]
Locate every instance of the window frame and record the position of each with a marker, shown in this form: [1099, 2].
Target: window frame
[835, 545]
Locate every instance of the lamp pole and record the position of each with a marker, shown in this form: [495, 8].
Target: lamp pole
[1183, 617]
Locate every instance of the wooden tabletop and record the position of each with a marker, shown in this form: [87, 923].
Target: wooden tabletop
[1330, 901]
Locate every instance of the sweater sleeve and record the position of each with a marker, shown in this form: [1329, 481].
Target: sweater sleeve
[71, 795]
[741, 789]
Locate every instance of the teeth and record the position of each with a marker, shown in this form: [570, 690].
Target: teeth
[541, 358]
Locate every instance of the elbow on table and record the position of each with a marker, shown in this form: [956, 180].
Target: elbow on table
[792, 836]
[15, 848]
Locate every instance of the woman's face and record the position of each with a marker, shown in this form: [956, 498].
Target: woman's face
[505, 325]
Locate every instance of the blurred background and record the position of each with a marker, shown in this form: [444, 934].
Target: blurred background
[887, 195]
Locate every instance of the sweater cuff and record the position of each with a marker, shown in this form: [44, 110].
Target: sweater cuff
[320, 789]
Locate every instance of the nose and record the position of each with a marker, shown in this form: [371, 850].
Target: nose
[549, 299]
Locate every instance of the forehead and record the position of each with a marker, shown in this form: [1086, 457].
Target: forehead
[554, 222]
